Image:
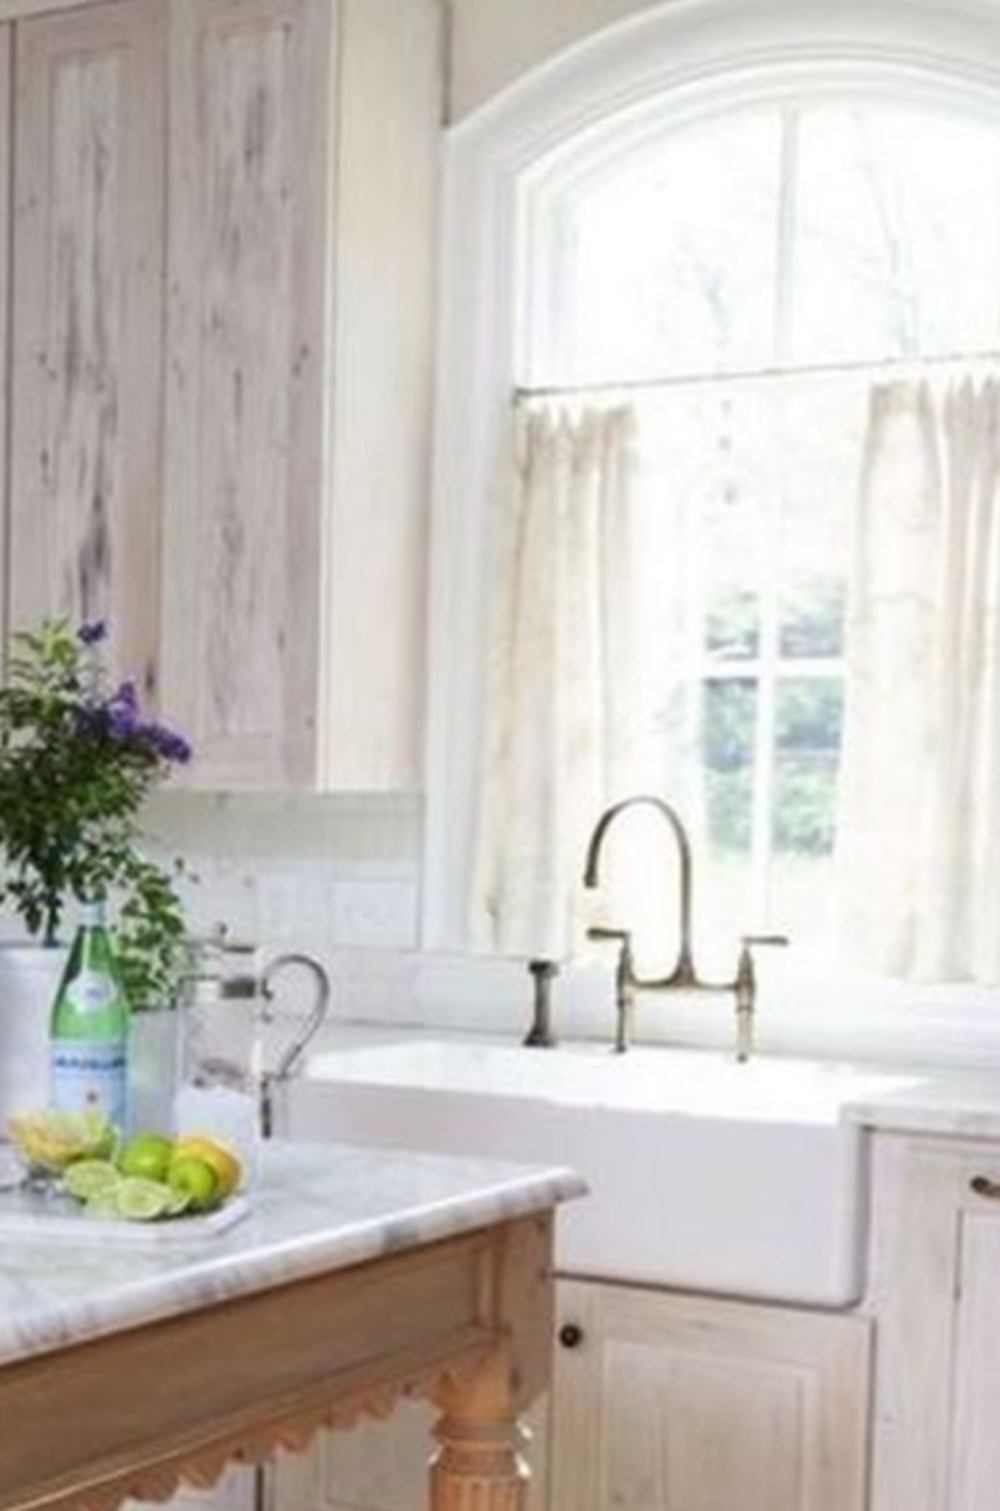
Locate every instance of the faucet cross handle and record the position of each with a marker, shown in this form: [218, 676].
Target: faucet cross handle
[746, 989]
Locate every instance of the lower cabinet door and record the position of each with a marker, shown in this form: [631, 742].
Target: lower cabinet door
[668, 1402]
[975, 1441]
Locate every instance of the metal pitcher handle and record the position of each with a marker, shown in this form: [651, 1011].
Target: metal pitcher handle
[290, 1057]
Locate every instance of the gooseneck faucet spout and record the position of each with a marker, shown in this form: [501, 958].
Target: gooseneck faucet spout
[683, 973]
[684, 976]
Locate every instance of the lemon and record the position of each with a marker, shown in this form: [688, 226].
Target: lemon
[52, 1140]
[148, 1155]
[192, 1176]
[227, 1167]
[88, 1178]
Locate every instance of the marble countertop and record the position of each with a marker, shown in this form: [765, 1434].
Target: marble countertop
[313, 1209]
[946, 1103]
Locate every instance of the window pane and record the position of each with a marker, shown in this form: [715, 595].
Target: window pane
[732, 622]
[891, 203]
[669, 264]
[808, 732]
[812, 617]
[729, 734]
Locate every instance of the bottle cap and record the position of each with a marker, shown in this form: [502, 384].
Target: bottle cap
[94, 913]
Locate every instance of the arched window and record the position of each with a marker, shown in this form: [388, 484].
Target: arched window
[739, 215]
[743, 275]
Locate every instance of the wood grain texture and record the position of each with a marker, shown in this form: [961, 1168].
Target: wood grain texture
[250, 159]
[146, 1410]
[6, 170]
[679, 1403]
[20, 10]
[86, 362]
[936, 1297]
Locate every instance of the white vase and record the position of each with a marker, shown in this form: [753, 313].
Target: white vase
[29, 978]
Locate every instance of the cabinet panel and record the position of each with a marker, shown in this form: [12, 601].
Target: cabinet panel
[86, 358]
[975, 1442]
[936, 1293]
[676, 1403]
[6, 168]
[249, 160]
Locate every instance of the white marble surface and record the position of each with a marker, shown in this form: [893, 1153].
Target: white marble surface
[952, 1103]
[315, 1209]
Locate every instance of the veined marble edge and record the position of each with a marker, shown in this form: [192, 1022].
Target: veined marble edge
[954, 1122]
[219, 1277]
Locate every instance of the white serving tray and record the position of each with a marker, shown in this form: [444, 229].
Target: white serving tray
[24, 1214]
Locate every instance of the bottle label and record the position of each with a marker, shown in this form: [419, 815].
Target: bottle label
[88, 1076]
[91, 992]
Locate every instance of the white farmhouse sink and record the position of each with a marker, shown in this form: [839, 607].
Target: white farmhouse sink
[703, 1173]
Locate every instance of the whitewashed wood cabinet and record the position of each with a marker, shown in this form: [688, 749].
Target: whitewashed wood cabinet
[936, 1294]
[664, 1402]
[222, 280]
[85, 411]
[301, 229]
[667, 1402]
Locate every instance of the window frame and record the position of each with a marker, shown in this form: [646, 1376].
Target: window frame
[695, 57]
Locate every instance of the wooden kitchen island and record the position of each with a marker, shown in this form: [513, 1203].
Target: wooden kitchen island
[359, 1277]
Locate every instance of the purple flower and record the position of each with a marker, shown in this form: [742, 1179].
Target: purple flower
[93, 632]
[122, 712]
[168, 743]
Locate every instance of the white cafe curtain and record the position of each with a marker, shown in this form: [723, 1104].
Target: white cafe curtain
[919, 809]
[560, 703]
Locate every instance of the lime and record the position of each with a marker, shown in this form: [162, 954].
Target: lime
[220, 1156]
[87, 1178]
[191, 1176]
[104, 1204]
[148, 1155]
[180, 1203]
[142, 1200]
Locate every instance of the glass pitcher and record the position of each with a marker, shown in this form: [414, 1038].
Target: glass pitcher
[238, 1047]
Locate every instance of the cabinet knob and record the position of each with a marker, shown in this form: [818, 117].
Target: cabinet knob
[570, 1335]
[981, 1185]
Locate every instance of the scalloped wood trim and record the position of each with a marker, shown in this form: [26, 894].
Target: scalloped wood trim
[464, 1322]
[201, 1468]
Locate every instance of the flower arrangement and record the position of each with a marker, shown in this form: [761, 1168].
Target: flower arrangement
[77, 761]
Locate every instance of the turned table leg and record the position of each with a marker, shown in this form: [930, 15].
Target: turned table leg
[480, 1464]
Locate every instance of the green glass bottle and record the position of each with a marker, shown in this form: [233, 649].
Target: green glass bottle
[88, 1033]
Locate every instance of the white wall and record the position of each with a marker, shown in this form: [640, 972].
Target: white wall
[495, 41]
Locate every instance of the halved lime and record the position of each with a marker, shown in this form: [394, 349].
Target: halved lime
[87, 1178]
[104, 1204]
[142, 1200]
[180, 1202]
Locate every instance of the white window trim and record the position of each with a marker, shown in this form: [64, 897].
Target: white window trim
[697, 52]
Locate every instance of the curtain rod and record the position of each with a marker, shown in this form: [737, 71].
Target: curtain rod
[754, 375]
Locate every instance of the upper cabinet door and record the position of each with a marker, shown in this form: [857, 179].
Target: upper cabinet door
[86, 360]
[251, 154]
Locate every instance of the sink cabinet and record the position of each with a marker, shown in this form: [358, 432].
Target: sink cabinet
[663, 1402]
[936, 1292]
[666, 1402]
[219, 357]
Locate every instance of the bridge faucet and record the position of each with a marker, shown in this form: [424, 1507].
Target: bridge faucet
[684, 975]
